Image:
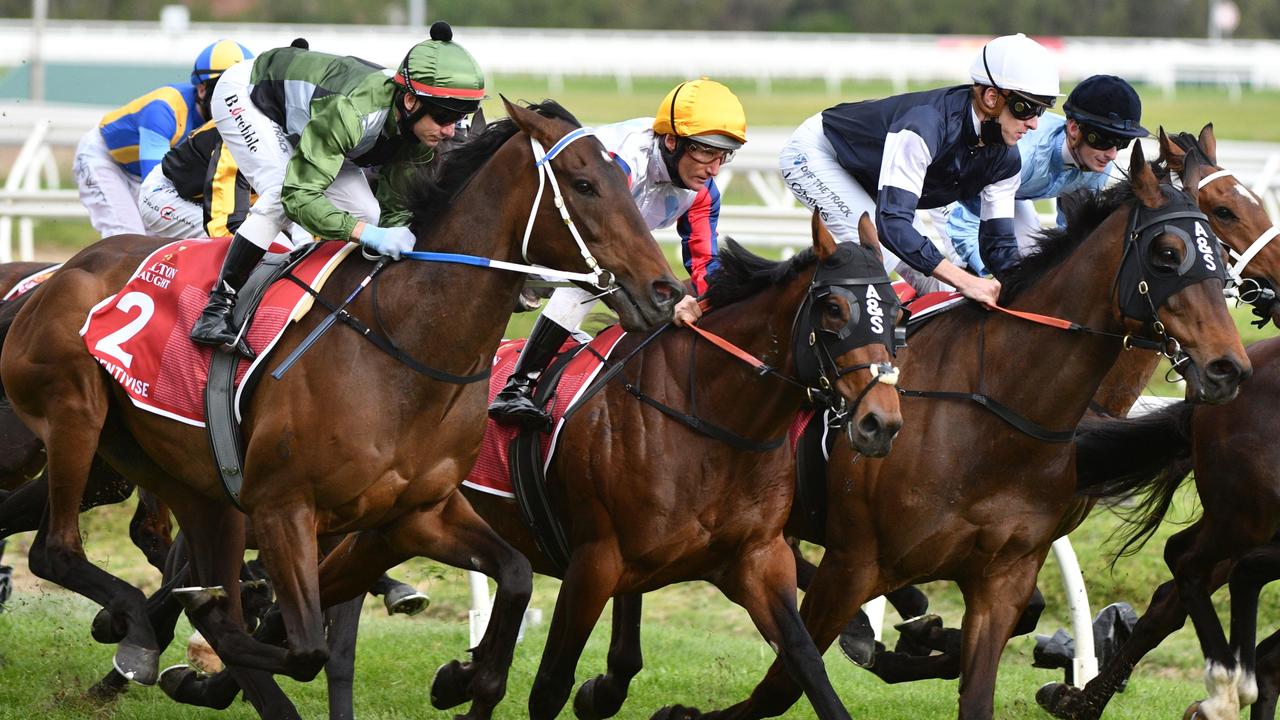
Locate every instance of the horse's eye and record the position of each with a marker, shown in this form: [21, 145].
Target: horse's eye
[834, 311]
[584, 187]
[1223, 213]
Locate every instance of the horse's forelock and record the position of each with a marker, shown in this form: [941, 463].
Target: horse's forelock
[742, 273]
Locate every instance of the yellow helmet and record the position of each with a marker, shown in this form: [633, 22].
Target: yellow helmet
[703, 109]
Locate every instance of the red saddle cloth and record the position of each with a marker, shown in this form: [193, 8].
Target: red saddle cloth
[927, 305]
[140, 334]
[492, 471]
[29, 283]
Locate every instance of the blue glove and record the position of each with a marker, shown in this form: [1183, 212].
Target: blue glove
[387, 241]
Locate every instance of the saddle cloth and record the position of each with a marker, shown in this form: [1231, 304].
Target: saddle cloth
[139, 335]
[927, 306]
[491, 473]
[29, 283]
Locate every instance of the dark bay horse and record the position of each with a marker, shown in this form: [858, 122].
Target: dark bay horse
[647, 501]
[1237, 486]
[965, 496]
[1240, 221]
[350, 439]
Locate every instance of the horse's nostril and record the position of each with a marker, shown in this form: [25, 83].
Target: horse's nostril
[1223, 371]
[870, 425]
[666, 293]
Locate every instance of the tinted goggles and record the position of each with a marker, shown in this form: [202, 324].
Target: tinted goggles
[1102, 140]
[1022, 107]
[444, 116]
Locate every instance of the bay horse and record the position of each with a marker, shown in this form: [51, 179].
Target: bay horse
[1231, 533]
[350, 439]
[967, 497]
[647, 500]
[1240, 221]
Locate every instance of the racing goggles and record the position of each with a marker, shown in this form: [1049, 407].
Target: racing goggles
[1025, 107]
[444, 116]
[704, 154]
[1102, 140]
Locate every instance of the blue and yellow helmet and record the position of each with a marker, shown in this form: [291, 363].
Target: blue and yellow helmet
[215, 59]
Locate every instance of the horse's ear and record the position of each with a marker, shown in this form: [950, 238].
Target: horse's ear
[1209, 144]
[1170, 153]
[868, 236]
[478, 123]
[824, 243]
[533, 124]
[1145, 185]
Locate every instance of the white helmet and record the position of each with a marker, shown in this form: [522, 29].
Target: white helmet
[1016, 62]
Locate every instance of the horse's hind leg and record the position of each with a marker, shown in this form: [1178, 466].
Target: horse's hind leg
[602, 696]
[452, 533]
[1268, 654]
[150, 528]
[1255, 569]
[340, 672]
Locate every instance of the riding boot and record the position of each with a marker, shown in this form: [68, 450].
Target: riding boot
[514, 404]
[214, 326]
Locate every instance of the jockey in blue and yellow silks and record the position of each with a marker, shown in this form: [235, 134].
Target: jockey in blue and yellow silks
[113, 158]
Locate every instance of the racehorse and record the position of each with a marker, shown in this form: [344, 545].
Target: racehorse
[648, 500]
[350, 439]
[1237, 486]
[1241, 223]
[967, 497]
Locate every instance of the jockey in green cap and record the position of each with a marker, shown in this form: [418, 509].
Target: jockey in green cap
[301, 125]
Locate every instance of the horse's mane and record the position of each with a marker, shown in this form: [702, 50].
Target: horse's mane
[433, 186]
[742, 274]
[1085, 211]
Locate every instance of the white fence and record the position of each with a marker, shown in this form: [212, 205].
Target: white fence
[772, 217]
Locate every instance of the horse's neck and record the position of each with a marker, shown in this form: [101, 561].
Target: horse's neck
[1072, 365]
[464, 307]
[729, 391]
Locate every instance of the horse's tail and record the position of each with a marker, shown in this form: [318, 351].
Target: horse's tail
[1147, 456]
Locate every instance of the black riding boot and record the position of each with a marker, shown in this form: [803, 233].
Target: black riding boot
[214, 327]
[514, 404]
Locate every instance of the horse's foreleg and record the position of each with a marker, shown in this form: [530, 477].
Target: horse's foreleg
[1268, 673]
[992, 606]
[1255, 569]
[764, 584]
[343, 621]
[589, 581]
[602, 696]
[453, 533]
[150, 529]
[1192, 573]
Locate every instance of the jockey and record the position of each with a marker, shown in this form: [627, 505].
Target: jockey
[1103, 115]
[671, 162]
[197, 191]
[928, 149]
[113, 158]
[302, 124]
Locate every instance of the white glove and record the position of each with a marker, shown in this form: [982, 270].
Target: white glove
[387, 241]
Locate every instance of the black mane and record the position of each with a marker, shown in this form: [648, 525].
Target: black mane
[435, 185]
[742, 274]
[1085, 211]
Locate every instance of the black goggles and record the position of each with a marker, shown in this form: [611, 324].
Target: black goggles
[444, 116]
[1101, 140]
[1022, 107]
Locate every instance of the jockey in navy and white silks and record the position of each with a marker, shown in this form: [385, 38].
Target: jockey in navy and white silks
[671, 161]
[1062, 155]
[924, 150]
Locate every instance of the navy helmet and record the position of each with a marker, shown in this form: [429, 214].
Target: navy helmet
[1107, 103]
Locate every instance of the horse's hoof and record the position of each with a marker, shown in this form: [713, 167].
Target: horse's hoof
[1060, 700]
[405, 600]
[137, 663]
[106, 690]
[593, 702]
[173, 678]
[104, 630]
[860, 650]
[195, 599]
[449, 686]
[1193, 712]
[676, 712]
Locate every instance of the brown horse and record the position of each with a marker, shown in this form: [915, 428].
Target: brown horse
[1239, 220]
[647, 500]
[350, 439]
[967, 497]
[1231, 533]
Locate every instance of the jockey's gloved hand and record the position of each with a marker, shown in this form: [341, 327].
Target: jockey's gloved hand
[387, 241]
